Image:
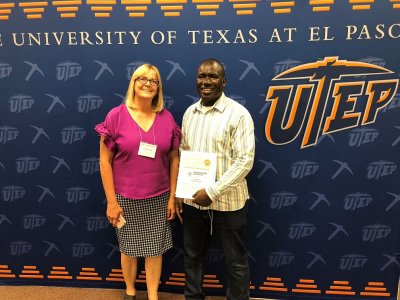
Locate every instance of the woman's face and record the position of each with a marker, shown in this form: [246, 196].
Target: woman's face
[146, 86]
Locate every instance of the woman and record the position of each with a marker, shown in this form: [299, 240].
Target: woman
[139, 159]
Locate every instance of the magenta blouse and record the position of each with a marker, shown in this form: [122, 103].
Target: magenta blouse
[139, 177]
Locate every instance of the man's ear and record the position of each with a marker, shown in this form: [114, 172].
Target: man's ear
[224, 81]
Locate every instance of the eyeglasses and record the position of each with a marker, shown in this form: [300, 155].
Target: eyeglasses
[144, 80]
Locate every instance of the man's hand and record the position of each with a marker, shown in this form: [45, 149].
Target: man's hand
[179, 209]
[201, 198]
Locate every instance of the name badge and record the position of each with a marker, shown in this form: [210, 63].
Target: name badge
[147, 150]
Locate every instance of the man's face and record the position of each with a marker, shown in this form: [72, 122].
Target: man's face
[210, 82]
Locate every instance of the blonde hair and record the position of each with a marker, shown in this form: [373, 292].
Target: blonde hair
[157, 104]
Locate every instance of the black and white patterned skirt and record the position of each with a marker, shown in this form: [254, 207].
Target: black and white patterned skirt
[147, 231]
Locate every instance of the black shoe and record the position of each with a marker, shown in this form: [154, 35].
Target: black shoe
[128, 297]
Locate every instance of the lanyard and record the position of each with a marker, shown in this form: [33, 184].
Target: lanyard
[140, 132]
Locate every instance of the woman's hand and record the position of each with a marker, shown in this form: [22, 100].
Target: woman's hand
[113, 212]
[171, 209]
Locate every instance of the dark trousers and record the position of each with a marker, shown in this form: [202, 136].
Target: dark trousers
[230, 227]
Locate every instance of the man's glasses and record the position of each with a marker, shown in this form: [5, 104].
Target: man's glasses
[144, 80]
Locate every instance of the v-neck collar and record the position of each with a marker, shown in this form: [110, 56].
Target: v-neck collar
[140, 127]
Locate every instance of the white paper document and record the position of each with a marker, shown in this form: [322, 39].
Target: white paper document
[197, 170]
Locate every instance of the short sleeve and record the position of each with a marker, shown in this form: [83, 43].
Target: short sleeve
[109, 139]
[176, 137]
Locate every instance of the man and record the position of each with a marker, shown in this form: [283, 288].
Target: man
[217, 124]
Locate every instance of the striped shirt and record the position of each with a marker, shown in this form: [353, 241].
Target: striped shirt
[228, 130]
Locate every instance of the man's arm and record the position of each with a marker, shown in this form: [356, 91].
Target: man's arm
[243, 148]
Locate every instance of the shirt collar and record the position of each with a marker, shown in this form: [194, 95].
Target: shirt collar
[219, 105]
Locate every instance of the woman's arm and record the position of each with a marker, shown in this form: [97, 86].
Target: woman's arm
[106, 158]
[173, 176]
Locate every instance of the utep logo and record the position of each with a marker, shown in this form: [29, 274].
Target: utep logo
[361, 136]
[8, 133]
[27, 164]
[395, 103]
[77, 194]
[326, 96]
[352, 261]
[67, 70]
[5, 70]
[72, 134]
[298, 231]
[96, 223]
[131, 68]
[80, 250]
[33, 221]
[284, 65]
[4, 219]
[280, 258]
[20, 102]
[103, 67]
[19, 248]
[303, 168]
[250, 66]
[88, 103]
[168, 101]
[282, 199]
[375, 232]
[356, 200]
[374, 60]
[90, 165]
[12, 192]
[380, 168]
[175, 67]
[214, 256]
[239, 99]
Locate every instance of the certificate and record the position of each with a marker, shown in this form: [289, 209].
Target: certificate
[197, 170]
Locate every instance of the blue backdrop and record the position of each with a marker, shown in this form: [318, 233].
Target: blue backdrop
[320, 80]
